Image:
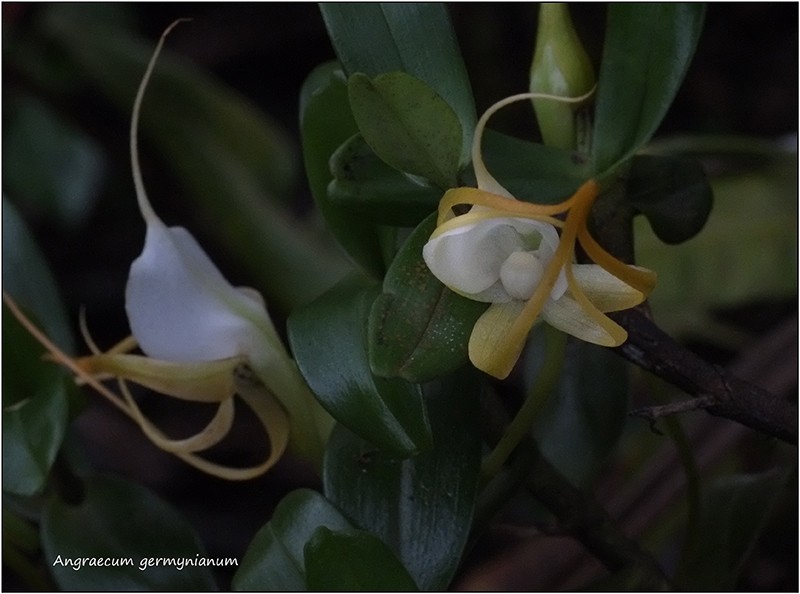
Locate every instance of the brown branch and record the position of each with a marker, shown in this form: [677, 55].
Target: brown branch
[719, 392]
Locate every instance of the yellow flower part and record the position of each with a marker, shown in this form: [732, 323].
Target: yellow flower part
[510, 253]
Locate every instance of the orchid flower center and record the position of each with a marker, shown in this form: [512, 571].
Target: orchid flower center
[521, 273]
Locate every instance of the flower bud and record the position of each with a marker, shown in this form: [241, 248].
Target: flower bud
[561, 68]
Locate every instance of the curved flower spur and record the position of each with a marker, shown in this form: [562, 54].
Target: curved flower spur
[509, 253]
[204, 341]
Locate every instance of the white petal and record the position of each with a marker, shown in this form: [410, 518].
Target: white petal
[468, 258]
[181, 308]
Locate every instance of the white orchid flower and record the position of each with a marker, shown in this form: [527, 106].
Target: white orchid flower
[203, 340]
[509, 253]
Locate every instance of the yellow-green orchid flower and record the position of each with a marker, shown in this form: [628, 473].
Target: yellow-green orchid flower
[509, 253]
[203, 340]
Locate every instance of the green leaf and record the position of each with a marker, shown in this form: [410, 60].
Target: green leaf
[366, 187]
[416, 38]
[673, 193]
[581, 422]
[33, 428]
[49, 164]
[329, 342]
[36, 394]
[353, 562]
[533, 171]
[27, 279]
[734, 512]
[324, 93]
[647, 51]
[421, 507]
[407, 125]
[275, 559]
[418, 328]
[123, 522]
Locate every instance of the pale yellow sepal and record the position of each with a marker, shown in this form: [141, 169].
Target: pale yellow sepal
[209, 381]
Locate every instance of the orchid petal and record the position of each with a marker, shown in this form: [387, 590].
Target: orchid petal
[467, 253]
[179, 305]
[469, 256]
[606, 291]
[181, 308]
[211, 381]
[212, 434]
[497, 339]
[567, 315]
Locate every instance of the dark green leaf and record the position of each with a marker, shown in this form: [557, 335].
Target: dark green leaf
[648, 48]
[324, 93]
[27, 279]
[33, 428]
[418, 328]
[674, 194]
[733, 513]
[582, 420]
[416, 38]
[329, 342]
[407, 125]
[275, 560]
[366, 186]
[123, 522]
[532, 171]
[353, 562]
[49, 164]
[36, 394]
[421, 507]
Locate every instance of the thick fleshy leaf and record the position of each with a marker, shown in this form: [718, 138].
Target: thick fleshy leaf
[366, 186]
[275, 559]
[589, 404]
[329, 342]
[408, 125]
[673, 193]
[421, 507]
[647, 51]
[531, 171]
[416, 38]
[120, 521]
[181, 308]
[733, 514]
[325, 92]
[33, 428]
[418, 328]
[37, 396]
[353, 561]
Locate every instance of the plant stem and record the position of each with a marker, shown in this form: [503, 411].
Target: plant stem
[520, 426]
